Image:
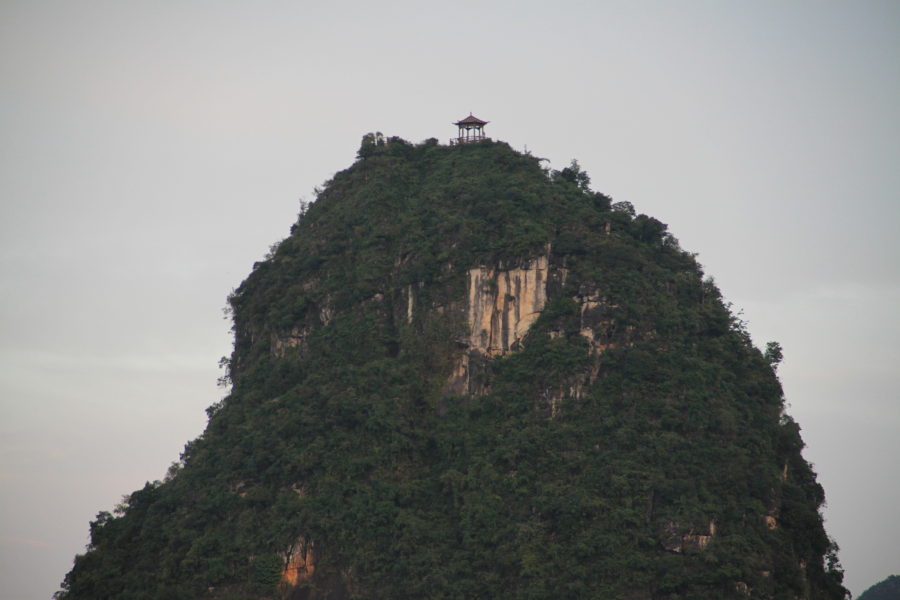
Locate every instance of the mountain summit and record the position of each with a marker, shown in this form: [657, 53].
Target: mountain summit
[467, 376]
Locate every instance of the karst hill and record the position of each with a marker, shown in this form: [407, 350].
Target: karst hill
[467, 376]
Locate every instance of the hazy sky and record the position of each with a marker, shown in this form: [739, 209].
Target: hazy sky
[151, 152]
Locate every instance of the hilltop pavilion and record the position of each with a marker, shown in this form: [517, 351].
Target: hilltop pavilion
[471, 129]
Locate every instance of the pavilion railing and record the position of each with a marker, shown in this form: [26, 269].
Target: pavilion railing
[466, 140]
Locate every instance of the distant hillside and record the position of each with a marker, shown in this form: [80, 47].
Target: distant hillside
[889, 589]
[463, 376]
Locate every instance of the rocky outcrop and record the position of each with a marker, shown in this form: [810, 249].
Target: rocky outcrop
[295, 338]
[597, 326]
[242, 487]
[686, 540]
[299, 562]
[597, 323]
[501, 306]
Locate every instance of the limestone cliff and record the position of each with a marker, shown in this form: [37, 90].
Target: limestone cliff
[500, 307]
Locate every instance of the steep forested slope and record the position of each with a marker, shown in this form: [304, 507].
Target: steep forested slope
[465, 376]
[889, 589]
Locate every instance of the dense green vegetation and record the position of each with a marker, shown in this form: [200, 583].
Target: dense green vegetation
[889, 589]
[345, 436]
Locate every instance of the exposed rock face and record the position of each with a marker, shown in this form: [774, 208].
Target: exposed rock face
[675, 539]
[299, 562]
[597, 321]
[501, 307]
[296, 338]
[242, 487]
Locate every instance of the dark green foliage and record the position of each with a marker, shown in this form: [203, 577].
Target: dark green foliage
[267, 570]
[568, 479]
[889, 589]
[774, 354]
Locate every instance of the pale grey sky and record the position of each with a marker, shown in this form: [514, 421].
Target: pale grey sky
[151, 152]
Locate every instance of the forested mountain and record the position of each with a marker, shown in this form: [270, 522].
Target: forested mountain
[467, 376]
[889, 589]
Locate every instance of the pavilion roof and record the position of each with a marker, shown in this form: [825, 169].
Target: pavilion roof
[470, 120]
